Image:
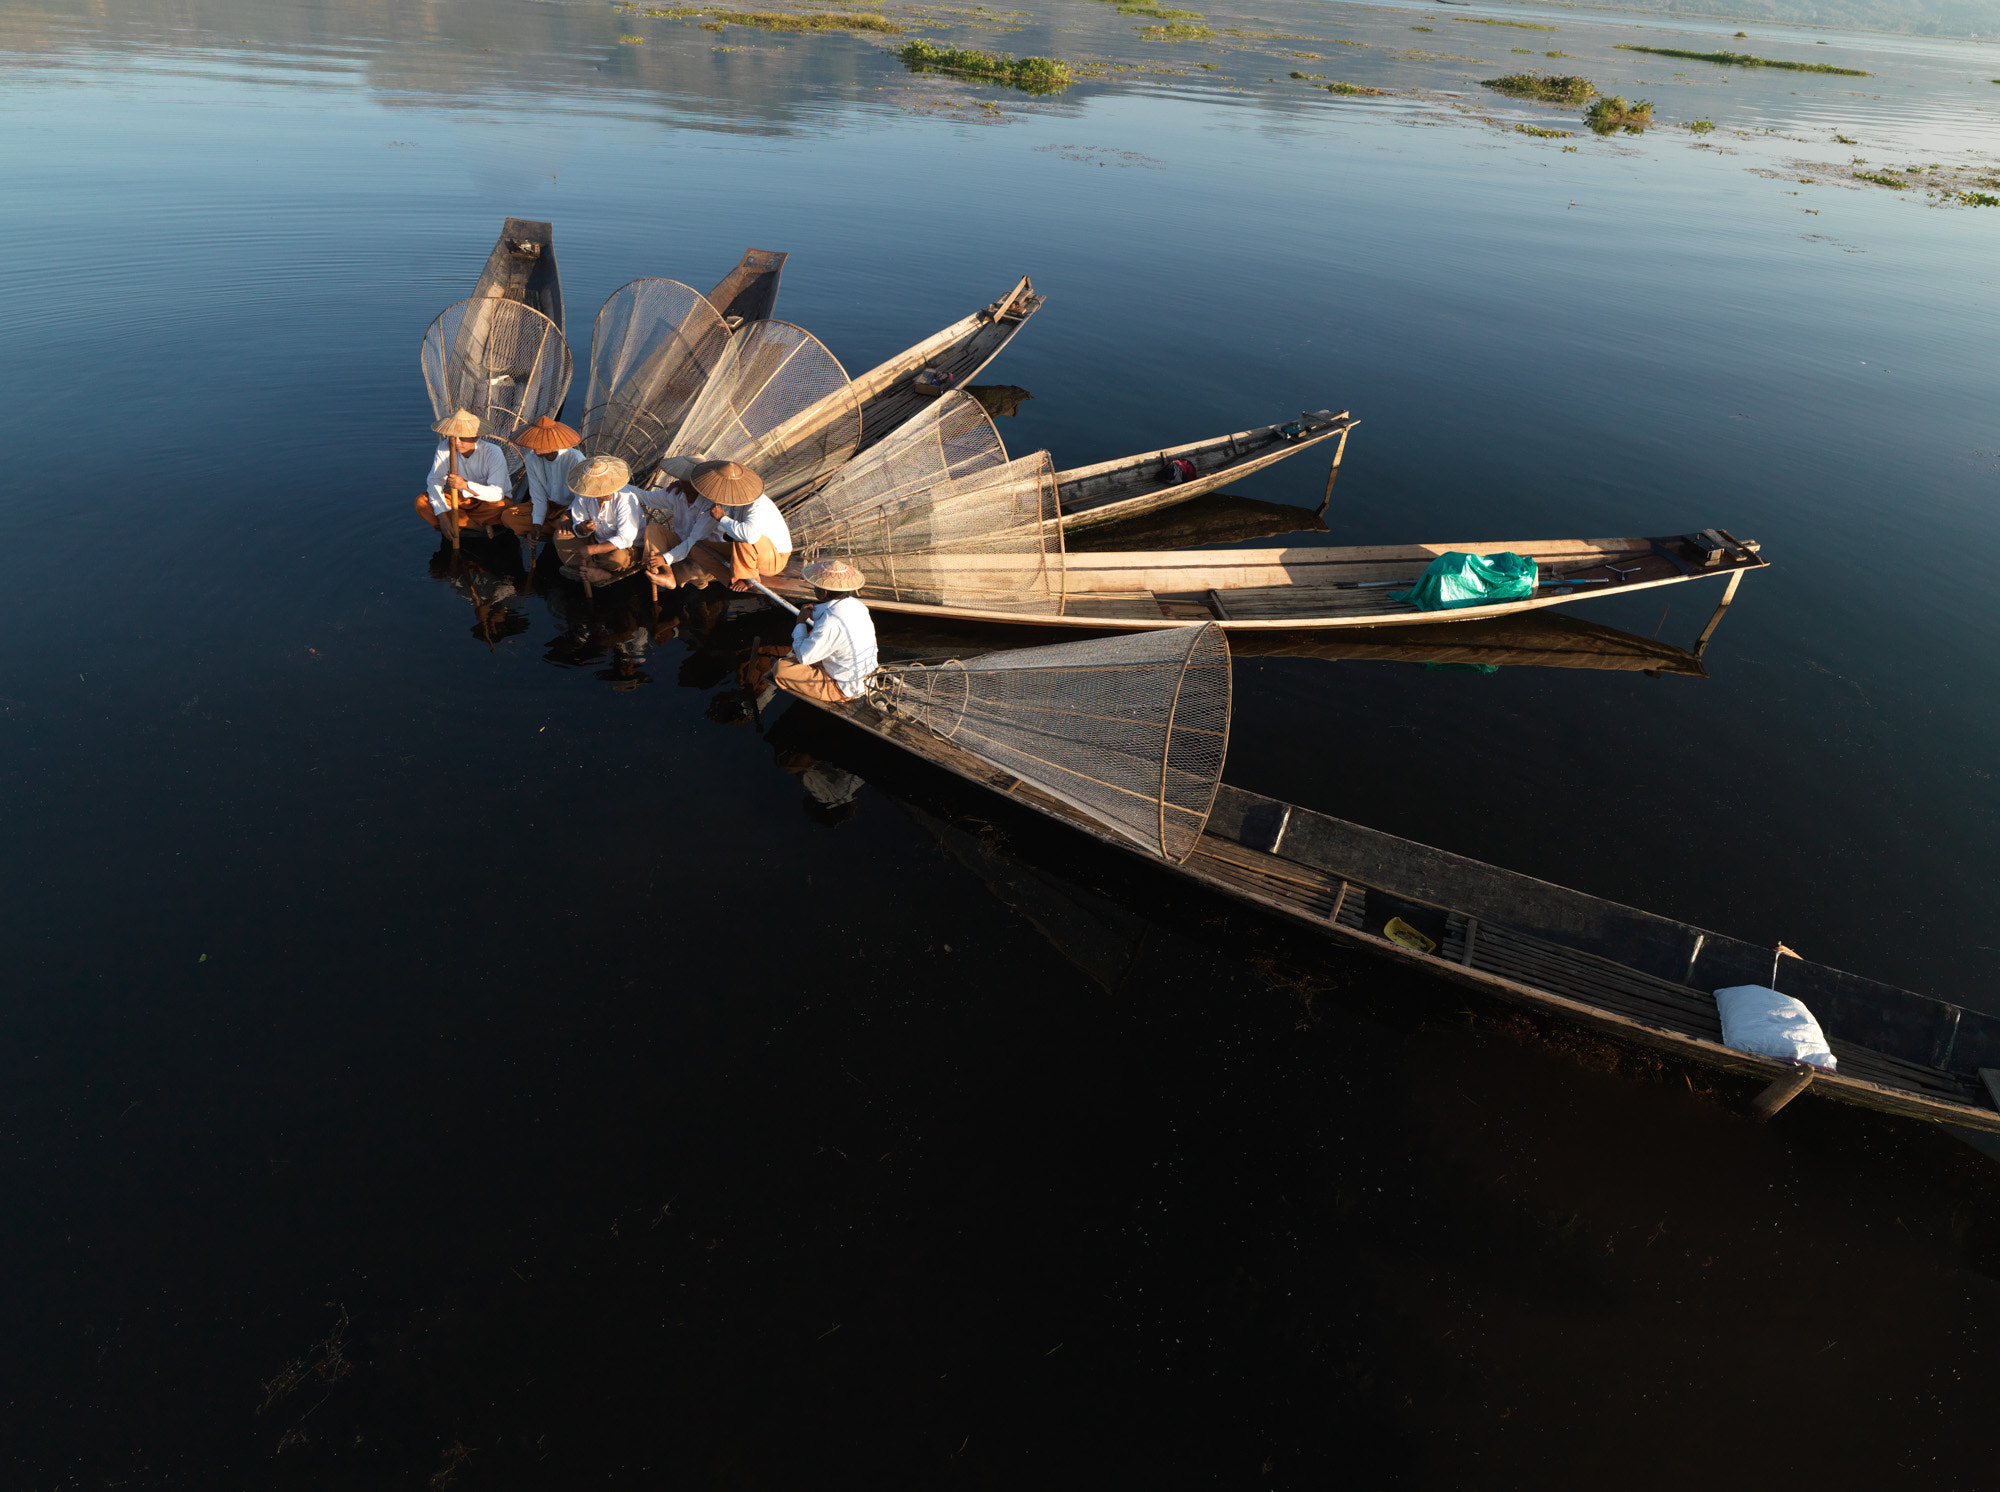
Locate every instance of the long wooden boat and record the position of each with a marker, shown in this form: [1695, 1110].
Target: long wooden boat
[1115, 490]
[1278, 589]
[889, 393]
[1624, 973]
[522, 267]
[749, 292]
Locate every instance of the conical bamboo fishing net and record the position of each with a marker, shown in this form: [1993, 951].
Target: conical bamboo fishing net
[772, 404]
[653, 348]
[502, 360]
[1130, 730]
[937, 514]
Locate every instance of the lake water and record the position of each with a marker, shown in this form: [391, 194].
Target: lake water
[458, 1052]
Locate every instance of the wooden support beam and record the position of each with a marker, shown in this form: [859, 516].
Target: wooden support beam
[1781, 1092]
[1728, 595]
[1333, 471]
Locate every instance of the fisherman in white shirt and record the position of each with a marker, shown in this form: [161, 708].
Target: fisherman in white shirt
[752, 537]
[477, 493]
[552, 453]
[832, 655]
[600, 543]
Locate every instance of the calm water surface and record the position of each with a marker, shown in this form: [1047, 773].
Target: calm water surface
[465, 1052]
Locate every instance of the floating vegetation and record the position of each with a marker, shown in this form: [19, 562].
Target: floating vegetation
[1882, 178]
[1700, 126]
[1029, 74]
[1980, 199]
[1524, 51]
[1541, 134]
[631, 41]
[1420, 28]
[1845, 141]
[1355, 89]
[1610, 114]
[778, 20]
[1744, 59]
[1155, 13]
[1555, 54]
[1309, 56]
[1311, 77]
[1542, 87]
[1488, 21]
[1176, 31]
[673, 12]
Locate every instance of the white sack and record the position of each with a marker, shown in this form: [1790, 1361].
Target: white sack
[1760, 1020]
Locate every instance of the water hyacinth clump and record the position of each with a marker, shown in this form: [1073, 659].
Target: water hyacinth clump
[1744, 59]
[1029, 74]
[1610, 114]
[1543, 88]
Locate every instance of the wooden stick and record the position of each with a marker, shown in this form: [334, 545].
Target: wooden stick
[1333, 471]
[451, 494]
[1728, 595]
[1781, 1092]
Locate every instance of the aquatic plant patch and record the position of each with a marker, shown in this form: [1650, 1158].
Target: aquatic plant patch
[1610, 114]
[1882, 178]
[1176, 31]
[1542, 87]
[1700, 126]
[1744, 59]
[1355, 89]
[1488, 21]
[1029, 74]
[1541, 134]
[1979, 199]
[1154, 12]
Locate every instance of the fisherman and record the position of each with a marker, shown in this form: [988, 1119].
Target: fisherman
[552, 452]
[600, 543]
[477, 492]
[832, 655]
[754, 539]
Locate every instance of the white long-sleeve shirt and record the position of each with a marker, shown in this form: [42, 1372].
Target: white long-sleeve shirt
[548, 481]
[762, 521]
[687, 516]
[617, 519]
[484, 471]
[841, 640]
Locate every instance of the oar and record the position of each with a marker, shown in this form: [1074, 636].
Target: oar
[451, 494]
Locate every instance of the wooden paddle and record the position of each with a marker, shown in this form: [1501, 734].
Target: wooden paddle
[450, 514]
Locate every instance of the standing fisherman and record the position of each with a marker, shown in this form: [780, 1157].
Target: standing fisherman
[552, 453]
[600, 543]
[755, 539]
[468, 478]
[832, 655]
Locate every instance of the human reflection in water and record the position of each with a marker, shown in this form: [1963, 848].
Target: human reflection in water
[616, 627]
[488, 573]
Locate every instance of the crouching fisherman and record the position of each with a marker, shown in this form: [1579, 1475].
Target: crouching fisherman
[832, 656]
[469, 481]
[755, 540]
[552, 455]
[600, 543]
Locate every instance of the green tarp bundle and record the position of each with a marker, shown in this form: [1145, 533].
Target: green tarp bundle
[1456, 579]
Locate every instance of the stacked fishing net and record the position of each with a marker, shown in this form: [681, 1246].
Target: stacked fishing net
[501, 360]
[1131, 730]
[937, 514]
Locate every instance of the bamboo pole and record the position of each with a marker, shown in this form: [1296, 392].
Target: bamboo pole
[450, 514]
[1339, 449]
[1728, 595]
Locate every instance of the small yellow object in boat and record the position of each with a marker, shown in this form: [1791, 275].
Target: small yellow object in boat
[1403, 935]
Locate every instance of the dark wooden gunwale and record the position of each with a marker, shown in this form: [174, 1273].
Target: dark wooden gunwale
[1553, 967]
[534, 282]
[1111, 491]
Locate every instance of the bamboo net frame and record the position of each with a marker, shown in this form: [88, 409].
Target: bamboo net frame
[504, 361]
[1131, 731]
[774, 404]
[653, 348]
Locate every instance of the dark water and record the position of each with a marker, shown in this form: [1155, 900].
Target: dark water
[445, 1051]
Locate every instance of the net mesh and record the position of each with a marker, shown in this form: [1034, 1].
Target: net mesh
[653, 348]
[937, 516]
[778, 403]
[1130, 730]
[502, 360]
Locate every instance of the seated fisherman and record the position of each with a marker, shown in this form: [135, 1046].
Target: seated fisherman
[477, 494]
[755, 540]
[600, 543]
[684, 520]
[833, 646]
[552, 452]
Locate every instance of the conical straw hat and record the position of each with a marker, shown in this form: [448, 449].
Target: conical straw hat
[545, 435]
[726, 484]
[462, 423]
[600, 476]
[834, 575]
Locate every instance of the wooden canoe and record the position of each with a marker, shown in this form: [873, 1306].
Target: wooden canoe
[1624, 973]
[1115, 490]
[749, 292]
[1302, 588]
[888, 392]
[522, 267]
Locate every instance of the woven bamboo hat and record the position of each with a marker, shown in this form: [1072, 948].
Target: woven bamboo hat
[462, 423]
[726, 484]
[600, 476]
[545, 435]
[834, 575]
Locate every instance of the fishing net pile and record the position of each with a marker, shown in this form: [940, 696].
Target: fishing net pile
[937, 514]
[500, 359]
[1131, 730]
